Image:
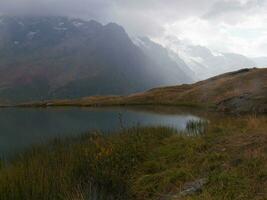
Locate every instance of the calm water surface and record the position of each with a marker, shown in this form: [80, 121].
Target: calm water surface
[22, 127]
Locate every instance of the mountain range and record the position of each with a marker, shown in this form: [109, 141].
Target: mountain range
[45, 58]
[206, 63]
[59, 57]
[242, 91]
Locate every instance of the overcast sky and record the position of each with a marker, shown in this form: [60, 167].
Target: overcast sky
[238, 26]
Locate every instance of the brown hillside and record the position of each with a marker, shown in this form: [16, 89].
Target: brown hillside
[241, 91]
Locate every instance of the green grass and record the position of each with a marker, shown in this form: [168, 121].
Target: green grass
[145, 163]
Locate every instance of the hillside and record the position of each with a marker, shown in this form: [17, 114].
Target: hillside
[58, 57]
[240, 91]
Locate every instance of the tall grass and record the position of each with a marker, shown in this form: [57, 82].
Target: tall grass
[196, 127]
[79, 168]
[145, 164]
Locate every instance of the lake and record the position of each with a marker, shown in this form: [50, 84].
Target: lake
[22, 127]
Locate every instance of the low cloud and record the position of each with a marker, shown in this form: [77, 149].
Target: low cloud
[227, 25]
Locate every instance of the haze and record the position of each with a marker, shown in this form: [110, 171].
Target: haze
[237, 26]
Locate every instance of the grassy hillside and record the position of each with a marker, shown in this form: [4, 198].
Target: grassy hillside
[241, 91]
[229, 158]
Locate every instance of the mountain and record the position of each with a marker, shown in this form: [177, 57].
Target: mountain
[174, 67]
[58, 57]
[205, 62]
[240, 91]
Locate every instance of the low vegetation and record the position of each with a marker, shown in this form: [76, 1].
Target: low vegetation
[146, 163]
[243, 91]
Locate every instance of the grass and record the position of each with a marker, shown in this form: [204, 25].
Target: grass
[146, 163]
[58, 170]
[197, 127]
[222, 93]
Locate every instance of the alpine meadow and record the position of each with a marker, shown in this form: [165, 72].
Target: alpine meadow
[133, 100]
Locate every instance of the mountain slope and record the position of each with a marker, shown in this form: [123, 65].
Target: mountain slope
[57, 57]
[174, 67]
[205, 62]
[240, 91]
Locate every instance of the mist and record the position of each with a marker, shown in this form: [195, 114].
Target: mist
[237, 26]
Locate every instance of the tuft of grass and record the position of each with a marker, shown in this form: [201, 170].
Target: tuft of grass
[1, 164]
[197, 127]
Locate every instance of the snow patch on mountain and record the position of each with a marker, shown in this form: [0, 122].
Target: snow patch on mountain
[60, 28]
[77, 23]
[31, 34]
[21, 23]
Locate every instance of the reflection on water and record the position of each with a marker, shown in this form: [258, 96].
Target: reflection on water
[22, 127]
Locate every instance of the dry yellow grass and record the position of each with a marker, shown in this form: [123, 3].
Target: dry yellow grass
[241, 91]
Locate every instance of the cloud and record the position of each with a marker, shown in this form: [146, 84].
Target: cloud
[224, 7]
[235, 11]
[139, 16]
[91, 9]
[225, 25]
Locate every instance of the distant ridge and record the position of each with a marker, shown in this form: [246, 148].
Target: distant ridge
[237, 92]
[59, 57]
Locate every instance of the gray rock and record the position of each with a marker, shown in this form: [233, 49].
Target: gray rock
[193, 187]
